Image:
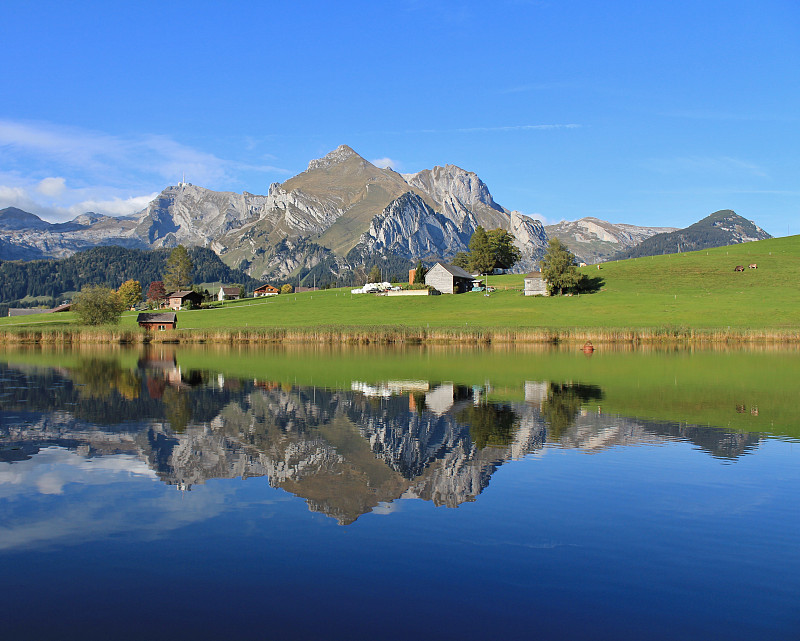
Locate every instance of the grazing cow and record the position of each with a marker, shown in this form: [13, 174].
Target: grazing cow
[753, 266]
[738, 268]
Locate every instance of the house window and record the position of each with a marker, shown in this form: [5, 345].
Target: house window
[161, 328]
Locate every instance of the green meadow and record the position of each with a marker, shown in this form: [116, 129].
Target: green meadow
[677, 294]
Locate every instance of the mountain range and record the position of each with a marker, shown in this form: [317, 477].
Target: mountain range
[341, 214]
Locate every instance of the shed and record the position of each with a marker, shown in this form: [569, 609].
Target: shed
[158, 321]
[229, 293]
[266, 290]
[535, 285]
[448, 279]
[179, 299]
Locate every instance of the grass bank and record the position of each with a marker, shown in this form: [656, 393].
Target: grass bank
[691, 297]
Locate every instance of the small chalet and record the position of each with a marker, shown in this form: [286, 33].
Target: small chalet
[229, 293]
[266, 290]
[176, 300]
[449, 279]
[158, 321]
[535, 285]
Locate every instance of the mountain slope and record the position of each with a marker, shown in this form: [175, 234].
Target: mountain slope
[724, 227]
[593, 240]
[348, 208]
[28, 237]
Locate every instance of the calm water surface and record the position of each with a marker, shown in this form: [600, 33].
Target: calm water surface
[438, 493]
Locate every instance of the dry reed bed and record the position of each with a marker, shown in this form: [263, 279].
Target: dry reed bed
[401, 335]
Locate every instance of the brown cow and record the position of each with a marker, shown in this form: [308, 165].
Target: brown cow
[753, 266]
[738, 268]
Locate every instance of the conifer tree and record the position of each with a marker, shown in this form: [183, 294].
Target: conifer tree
[179, 270]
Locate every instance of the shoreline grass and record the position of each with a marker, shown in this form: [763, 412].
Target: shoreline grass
[385, 335]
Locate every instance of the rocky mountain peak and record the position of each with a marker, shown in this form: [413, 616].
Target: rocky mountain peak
[338, 155]
[12, 218]
[464, 185]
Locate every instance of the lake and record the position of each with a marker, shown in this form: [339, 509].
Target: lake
[441, 492]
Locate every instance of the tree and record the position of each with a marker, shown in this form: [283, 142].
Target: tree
[179, 270]
[374, 275]
[97, 305]
[419, 274]
[559, 268]
[461, 259]
[287, 289]
[130, 293]
[480, 253]
[156, 292]
[501, 244]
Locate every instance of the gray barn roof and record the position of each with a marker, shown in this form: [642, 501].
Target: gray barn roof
[156, 317]
[456, 271]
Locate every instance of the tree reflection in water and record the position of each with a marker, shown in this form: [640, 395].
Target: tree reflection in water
[563, 404]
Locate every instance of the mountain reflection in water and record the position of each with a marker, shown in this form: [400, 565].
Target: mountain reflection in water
[345, 451]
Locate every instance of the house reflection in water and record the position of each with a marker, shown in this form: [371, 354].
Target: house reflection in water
[346, 452]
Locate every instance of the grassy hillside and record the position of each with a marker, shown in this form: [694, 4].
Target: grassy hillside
[690, 291]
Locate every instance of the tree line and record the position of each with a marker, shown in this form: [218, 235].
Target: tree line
[106, 266]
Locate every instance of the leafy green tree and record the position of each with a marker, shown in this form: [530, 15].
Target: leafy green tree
[559, 268]
[501, 244]
[419, 273]
[480, 252]
[490, 424]
[287, 289]
[374, 275]
[130, 293]
[461, 259]
[179, 270]
[97, 305]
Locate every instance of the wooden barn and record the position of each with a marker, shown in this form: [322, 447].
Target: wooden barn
[158, 321]
[535, 285]
[449, 279]
[176, 300]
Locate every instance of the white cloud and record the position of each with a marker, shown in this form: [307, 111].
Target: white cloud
[386, 162]
[53, 187]
[113, 207]
[110, 166]
[64, 204]
[540, 218]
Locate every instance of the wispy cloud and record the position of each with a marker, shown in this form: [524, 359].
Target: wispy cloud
[387, 162]
[105, 173]
[96, 152]
[480, 130]
[55, 200]
[727, 116]
[706, 164]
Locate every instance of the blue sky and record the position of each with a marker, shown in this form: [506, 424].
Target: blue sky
[653, 113]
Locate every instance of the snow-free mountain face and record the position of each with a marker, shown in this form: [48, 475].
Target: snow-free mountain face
[340, 214]
[593, 240]
[25, 236]
[343, 211]
[724, 227]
